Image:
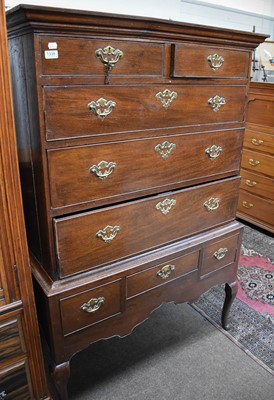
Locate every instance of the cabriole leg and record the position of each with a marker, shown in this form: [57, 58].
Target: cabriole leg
[60, 375]
[230, 294]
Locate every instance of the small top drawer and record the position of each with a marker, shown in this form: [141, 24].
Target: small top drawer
[73, 56]
[210, 62]
[90, 306]
[219, 254]
[161, 274]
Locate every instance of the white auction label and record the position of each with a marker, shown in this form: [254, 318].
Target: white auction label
[52, 45]
[51, 54]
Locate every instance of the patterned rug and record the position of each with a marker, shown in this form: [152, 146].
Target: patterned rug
[251, 318]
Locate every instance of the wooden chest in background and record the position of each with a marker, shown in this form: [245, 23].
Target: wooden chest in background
[256, 201]
[130, 134]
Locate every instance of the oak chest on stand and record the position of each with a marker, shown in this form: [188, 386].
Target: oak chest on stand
[130, 135]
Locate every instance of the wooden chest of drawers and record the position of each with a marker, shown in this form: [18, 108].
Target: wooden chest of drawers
[256, 200]
[130, 135]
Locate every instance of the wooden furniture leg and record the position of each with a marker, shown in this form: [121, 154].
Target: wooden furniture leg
[60, 375]
[230, 294]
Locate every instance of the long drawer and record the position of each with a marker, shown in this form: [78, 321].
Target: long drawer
[96, 172]
[258, 162]
[74, 111]
[95, 238]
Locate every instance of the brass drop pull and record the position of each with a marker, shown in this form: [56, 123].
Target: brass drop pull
[165, 272]
[165, 206]
[250, 183]
[93, 305]
[219, 254]
[253, 163]
[101, 107]
[216, 102]
[246, 204]
[213, 152]
[103, 169]
[166, 97]
[212, 204]
[109, 57]
[257, 142]
[108, 233]
[215, 61]
[165, 149]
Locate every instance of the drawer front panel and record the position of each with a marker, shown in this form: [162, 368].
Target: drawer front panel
[90, 111]
[219, 254]
[258, 162]
[161, 274]
[14, 383]
[260, 111]
[199, 61]
[99, 237]
[90, 306]
[256, 207]
[11, 344]
[257, 184]
[76, 176]
[73, 56]
[260, 141]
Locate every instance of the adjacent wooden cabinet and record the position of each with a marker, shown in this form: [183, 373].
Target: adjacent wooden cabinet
[130, 135]
[256, 201]
[22, 375]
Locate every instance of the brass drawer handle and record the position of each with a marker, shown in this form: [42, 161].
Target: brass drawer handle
[108, 233]
[213, 152]
[250, 183]
[109, 56]
[253, 163]
[246, 204]
[165, 149]
[103, 169]
[165, 272]
[219, 254]
[212, 204]
[216, 102]
[93, 305]
[166, 97]
[215, 61]
[101, 107]
[165, 205]
[257, 142]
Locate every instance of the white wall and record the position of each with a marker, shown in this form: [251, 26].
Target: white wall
[235, 14]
